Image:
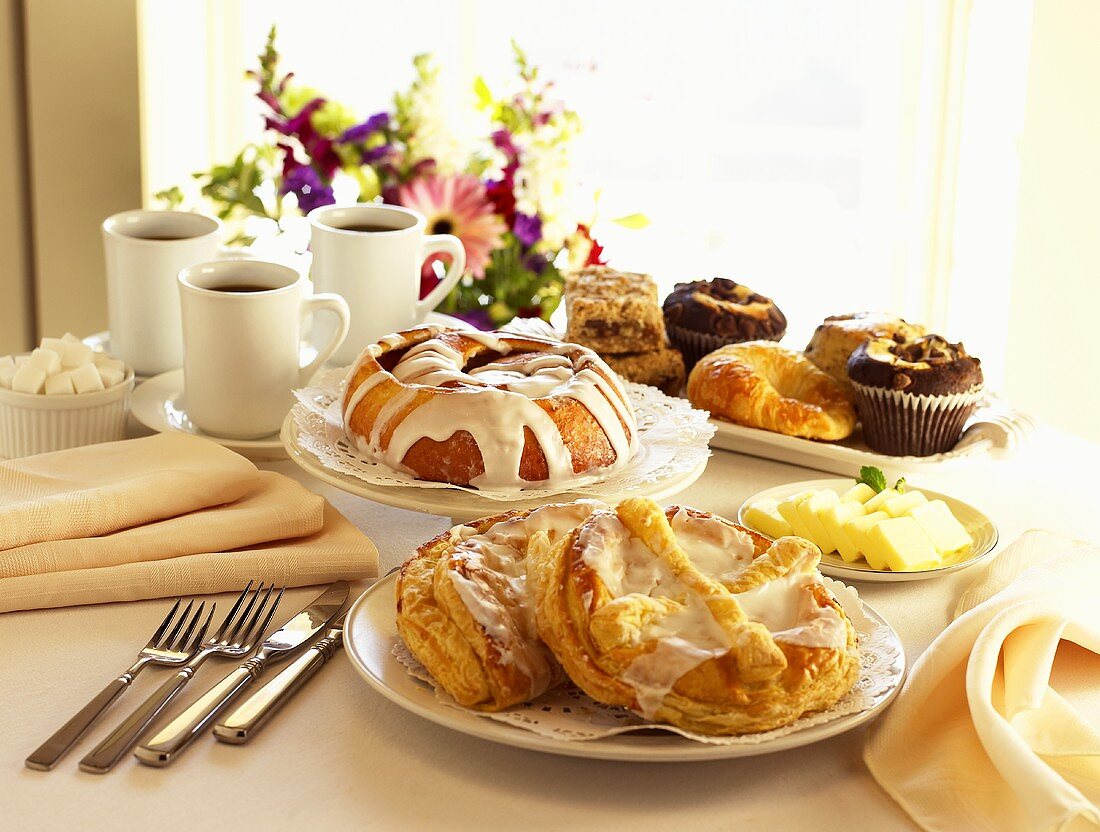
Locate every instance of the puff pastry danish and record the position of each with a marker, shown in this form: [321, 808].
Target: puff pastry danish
[692, 620]
[464, 611]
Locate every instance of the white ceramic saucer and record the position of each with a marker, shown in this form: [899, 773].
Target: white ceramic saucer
[158, 404]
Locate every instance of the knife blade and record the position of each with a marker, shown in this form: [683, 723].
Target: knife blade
[247, 718]
[167, 743]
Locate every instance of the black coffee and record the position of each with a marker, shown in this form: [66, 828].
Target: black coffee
[241, 288]
[159, 237]
[368, 228]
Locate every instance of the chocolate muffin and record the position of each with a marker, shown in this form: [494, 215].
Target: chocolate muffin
[915, 396]
[837, 337]
[704, 315]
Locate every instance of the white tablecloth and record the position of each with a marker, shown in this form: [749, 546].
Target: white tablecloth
[340, 756]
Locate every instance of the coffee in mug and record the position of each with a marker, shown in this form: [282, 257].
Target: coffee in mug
[242, 336]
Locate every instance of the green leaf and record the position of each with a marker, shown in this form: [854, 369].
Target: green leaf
[481, 90]
[633, 221]
[873, 477]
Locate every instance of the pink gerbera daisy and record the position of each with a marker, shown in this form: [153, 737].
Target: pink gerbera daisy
[457, 205]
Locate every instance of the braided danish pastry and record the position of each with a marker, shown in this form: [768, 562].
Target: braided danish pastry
[464, 611]
[688, 619]
[487, 409]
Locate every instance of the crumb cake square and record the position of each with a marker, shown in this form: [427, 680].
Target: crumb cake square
[613, 312]
[663, 368]
[605, 282]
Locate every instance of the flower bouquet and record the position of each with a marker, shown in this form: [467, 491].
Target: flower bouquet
[506, 196]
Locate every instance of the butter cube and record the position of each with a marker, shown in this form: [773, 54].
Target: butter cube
[110, 377]
[60, 385]
[861, 492]
[834, 518]
[875, 503]
[28, 379]
[76, 355]
[808, 510]
[86, 379]
[53, 345]
[765, 517]
[48, 361]
[7, 374]
[108, 363]
[900, 506]
[20, 360]
[69, 338]
[857, 529]
[942, 527]
[788, 508]
[901, 545]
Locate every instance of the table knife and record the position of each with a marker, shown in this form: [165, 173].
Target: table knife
[243, 723]
[167, 743]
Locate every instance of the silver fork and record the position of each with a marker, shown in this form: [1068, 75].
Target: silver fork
[235, 638]
[166, 647]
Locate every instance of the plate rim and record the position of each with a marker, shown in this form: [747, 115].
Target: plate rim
[841, 570]
[604, 748]
[148, 393]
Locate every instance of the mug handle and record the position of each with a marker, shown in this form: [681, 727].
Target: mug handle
[442, 244]
[331, 303]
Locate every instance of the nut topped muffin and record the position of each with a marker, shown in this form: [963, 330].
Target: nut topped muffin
[837, 337]
[704, 315]
[915, 396]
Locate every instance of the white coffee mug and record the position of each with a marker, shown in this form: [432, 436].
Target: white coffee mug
[242, 337]
[377, 271]
[145, 251]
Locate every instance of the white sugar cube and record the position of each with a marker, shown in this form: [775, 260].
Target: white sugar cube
[86, 379]
[20, 360]
[53, 345]
[8, 361]
[110, 377]
[69, 338]
[76, 355]
[48, 361]
[60, 385]
[113, 364]
[6, 375]
[28, 379]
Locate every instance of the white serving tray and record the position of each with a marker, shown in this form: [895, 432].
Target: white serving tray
[994, 431]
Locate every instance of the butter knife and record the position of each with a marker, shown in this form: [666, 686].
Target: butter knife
[243, 723]
[167, 743]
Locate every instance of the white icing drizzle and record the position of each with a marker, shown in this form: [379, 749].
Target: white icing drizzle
[498, 401]
[494, 588]
[689, 635]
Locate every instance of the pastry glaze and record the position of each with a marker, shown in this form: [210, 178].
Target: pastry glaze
[763, 385]
[464, 610]
[688, 619]
[488, 410]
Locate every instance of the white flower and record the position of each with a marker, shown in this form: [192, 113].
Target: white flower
[428, 120]
[542, 181]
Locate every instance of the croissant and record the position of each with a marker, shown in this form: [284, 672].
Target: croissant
[464, 611]
[691, 620]
[763, 385]
[486, 409]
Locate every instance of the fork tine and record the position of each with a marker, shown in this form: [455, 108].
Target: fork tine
[164, 624]
[171, 637]
[244, 615]
[257, 629]
[181, 642]
[201, 634]
[240, 637]
[233, 611]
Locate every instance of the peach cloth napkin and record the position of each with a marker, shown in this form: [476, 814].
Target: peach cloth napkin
[165, 515]
[998, 725]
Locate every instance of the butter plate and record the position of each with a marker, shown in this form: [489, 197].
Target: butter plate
[977, 524]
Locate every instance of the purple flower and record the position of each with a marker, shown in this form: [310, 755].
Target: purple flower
[361, 132]
[374, 154]
[502, 139]
[535, 262]
[528, 229]
[294, 126]
[307, 185]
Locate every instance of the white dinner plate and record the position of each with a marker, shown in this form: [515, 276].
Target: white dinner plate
[370, 633]
[979, 526]
[456, 503]
[158, 404]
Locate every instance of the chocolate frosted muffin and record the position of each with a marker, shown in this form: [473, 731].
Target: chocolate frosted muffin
[914, 397]
[707, 314]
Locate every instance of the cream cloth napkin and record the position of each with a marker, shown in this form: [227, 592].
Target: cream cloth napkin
[979, 738]
[161, 516]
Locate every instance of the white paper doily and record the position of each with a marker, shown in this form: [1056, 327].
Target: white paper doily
[567, 713]
[674, 439]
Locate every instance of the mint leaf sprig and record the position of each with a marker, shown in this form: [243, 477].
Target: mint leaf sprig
[874, 477]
